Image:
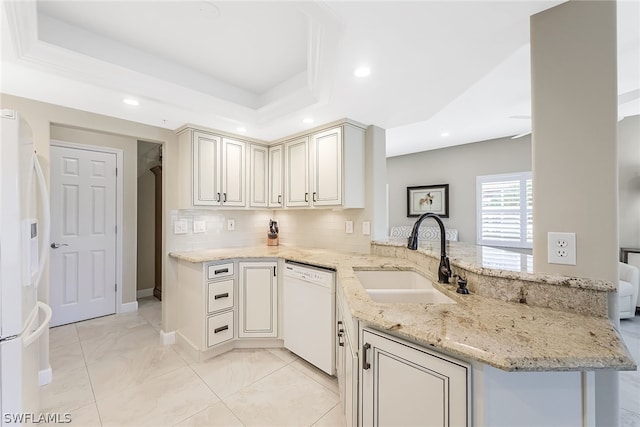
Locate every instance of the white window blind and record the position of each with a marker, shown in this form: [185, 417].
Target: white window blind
[504, 210]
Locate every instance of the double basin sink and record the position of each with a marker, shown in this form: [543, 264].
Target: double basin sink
[400, 286]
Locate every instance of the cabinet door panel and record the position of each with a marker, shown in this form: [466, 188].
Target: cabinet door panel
[297, 174]
[258, 300]
[206, 152]
[276, 177]
[407, 386]
[259, 176]
[233, 173]
[327, 182]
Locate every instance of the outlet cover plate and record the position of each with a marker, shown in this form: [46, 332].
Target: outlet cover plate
[561, 248]
[199, 226]
[348, 227]
[366, 228]
[180, 226]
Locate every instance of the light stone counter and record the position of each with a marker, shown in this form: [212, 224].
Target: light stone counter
[506, 335]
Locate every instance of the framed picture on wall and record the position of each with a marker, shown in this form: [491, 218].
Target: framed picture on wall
[428, 198]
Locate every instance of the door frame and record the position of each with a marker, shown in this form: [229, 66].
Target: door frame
[120, 308]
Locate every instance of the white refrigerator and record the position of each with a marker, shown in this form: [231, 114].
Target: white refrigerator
[22, 317]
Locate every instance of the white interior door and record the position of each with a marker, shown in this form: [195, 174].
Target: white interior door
[83, 234]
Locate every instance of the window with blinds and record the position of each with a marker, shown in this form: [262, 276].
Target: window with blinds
[505, 210]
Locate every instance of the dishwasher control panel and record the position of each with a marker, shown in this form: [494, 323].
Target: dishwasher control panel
[316, 275]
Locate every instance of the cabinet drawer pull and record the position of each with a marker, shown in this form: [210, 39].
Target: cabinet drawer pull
[365, 365]
[222, 270]
[315, 199]
[225, 295]
[220, 329]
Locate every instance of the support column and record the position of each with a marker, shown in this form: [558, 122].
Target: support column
[574, 108]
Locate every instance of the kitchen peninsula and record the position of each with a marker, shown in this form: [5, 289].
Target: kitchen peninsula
[521, 336]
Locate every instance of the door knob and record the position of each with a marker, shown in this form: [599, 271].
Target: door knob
[57, 245]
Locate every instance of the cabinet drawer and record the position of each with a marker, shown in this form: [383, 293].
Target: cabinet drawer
[219, 328]
[219, 270]
[219, 295]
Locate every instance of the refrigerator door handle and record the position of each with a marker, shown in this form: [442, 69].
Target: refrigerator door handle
[44, 199]
[27, 340]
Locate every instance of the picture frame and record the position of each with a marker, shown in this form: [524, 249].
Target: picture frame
[428, 198]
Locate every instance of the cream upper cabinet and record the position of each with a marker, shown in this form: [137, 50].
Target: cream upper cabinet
[326, 169]
[212, 170]
[206, 178]
[276, 176]
[297, 172]
[233, 172]
[259, 177]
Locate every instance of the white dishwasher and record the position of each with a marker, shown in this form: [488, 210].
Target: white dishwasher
[309, 313]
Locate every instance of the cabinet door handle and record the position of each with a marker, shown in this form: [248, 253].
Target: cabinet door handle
[218, 199]
[340, 333]
[279, 199]
[306, 197]
[222, 270]
[315, 199]
[274, 271]
[220, 329]
[365, 365]
[224, 200]
[225, 295]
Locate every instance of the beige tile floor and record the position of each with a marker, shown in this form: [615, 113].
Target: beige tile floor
[112, 371]
[630, 381]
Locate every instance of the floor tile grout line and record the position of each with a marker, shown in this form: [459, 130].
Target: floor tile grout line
[325, 414]
[315, 380]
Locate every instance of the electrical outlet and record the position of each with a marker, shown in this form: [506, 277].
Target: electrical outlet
[561, 248]
[231, 224]
[199, 226]
[366, 228]
[180, 226]
[348, 227]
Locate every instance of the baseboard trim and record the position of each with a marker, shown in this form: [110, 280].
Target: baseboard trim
[167, 338]
[45, 376]
[129, 306]
[144, 293]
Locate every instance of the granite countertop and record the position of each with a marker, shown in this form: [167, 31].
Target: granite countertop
[505, 335]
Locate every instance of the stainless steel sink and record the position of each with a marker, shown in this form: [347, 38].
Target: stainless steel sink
[400, 286]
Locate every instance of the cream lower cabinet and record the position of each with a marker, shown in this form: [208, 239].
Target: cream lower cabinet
[207, 303]
[406, 385]
[346, 369]
[258, 300]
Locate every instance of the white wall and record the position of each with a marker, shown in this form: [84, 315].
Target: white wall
[629, 182]
[457, 166]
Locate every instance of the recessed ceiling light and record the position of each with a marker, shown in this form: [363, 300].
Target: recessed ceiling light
[444, 134]
[241, 129]
[362, 71]
[308, 120]
[131, 101]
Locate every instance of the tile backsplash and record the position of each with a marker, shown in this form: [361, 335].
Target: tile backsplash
[311, 228]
